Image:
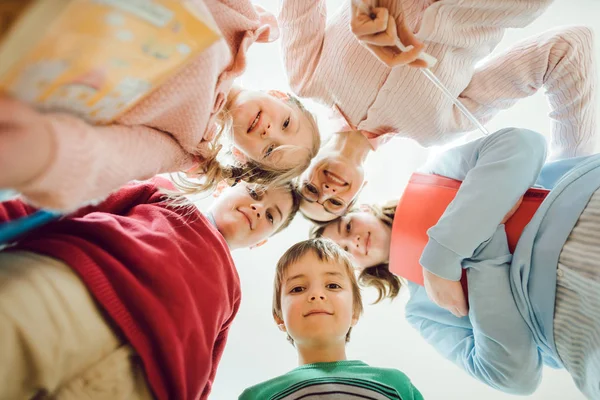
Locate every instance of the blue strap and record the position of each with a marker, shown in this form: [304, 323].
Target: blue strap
[11, 230]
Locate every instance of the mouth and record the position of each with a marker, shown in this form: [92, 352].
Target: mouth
[335, 178]
[254, 122]
[317, 312]
[247, 218]
[368, 244]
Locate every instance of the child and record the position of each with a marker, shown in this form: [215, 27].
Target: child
[316, 301]
[58, 161]
[131, 299]
[547, 293]
[326, 61]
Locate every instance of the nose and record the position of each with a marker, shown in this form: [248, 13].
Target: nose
[268, 131]
[328, 190]
[315, 296]
[258, 210]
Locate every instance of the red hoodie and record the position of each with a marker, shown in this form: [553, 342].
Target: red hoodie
[164, 275]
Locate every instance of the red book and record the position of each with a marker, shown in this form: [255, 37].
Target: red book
[421, 206]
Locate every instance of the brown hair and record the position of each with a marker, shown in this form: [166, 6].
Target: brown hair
[326, 250]
[377, 276]
[212, 171]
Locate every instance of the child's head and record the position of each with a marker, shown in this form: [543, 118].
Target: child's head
[273, 137]
[330, 185]
[365, 233]
[247, 214]
[316, 298]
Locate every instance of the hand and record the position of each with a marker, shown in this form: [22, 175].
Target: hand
[446, 294]
[512, 210]
[25, 143]
[379, 31]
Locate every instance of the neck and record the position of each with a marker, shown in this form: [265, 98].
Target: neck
[309, 354]
[352, 145]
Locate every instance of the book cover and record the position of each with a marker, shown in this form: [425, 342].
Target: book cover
[96, 58]
[422, 204]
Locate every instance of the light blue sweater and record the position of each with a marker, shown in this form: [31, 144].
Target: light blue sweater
[508, 334]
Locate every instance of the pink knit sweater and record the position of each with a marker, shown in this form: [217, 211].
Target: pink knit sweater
[160, 134]
[325, 61]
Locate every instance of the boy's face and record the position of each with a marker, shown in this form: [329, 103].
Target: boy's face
[317, 302]
[246, 214]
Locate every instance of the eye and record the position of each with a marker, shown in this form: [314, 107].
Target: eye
[286, 123]
[253, 193]
[270, 217]
[333, 286]
[269, 150]
[336, 202]
[349, 226]
[297, 289]
[311, 188]
[346, 249]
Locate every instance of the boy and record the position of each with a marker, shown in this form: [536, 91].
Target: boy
[130, 299]
[317, 301]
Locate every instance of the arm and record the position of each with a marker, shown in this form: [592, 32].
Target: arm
[80, 162]
[476, 23]
[496, 170]
[302, 26]
[494, 345]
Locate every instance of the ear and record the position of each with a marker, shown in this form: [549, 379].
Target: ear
[219, 189]
[269, 30]
[279, 94]
[259, 244]
[280, 323]
[238, 155]
[354, 321]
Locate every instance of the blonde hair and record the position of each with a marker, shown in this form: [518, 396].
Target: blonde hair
[378, 276]
[326, 250]
[212, 171]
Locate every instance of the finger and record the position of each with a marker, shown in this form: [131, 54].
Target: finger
[363, 24]
[405, 33]
[406, 57]
[386, 38]
[418, 63]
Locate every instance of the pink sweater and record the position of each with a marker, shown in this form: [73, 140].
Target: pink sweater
[163, 132]
[325, 61]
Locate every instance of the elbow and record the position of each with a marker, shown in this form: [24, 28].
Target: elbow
[530, 147]
[519, 383]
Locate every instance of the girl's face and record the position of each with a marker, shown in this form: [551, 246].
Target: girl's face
[263, 122]
[246, 214]
[364, 236]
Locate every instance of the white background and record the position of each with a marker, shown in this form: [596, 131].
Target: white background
[257, 350]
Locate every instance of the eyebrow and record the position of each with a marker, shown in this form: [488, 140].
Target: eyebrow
[339, 224]
[331, 273]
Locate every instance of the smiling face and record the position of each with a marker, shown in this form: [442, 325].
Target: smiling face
[246, 214]
[329, 185]
[264, 124]
[363, 235]
[317, 301]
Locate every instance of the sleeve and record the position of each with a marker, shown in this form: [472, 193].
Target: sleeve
[476, 23]
[91, 161]
[496, 348]
[13, 209]
[302, 26]
[496, 171]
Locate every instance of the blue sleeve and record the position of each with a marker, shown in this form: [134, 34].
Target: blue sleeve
[493, 343]
[496, 171]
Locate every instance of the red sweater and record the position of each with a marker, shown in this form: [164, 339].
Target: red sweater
[165, 277]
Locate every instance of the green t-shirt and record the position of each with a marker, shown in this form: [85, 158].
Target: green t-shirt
[336, 380]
